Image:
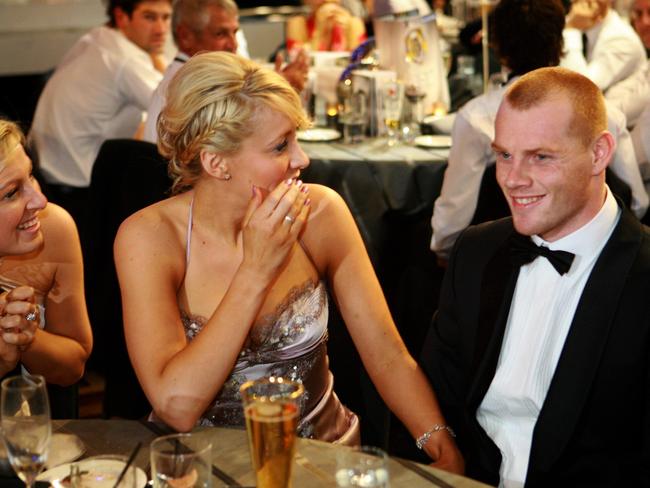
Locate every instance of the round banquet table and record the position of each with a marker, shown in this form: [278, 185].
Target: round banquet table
[314, 463]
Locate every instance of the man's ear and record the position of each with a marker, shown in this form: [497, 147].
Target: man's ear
[603, 151]
[185, 38]
[121, 17]
[214, 164]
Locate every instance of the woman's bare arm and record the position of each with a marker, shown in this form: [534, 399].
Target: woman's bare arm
[400, 381]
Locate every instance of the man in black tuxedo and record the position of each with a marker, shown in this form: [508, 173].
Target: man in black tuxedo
[541, 359]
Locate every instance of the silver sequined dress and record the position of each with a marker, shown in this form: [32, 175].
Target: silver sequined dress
[289, 342]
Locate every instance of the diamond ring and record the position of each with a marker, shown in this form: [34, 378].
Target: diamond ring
[31, 316]
[289, 219]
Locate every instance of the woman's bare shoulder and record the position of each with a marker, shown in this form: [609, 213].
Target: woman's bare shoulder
[60, 235]
[329, 225]
[163, 216]
[158, 226]
[325, 202]
[57, 222]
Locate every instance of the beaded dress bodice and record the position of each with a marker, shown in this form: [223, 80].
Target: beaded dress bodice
[291, 342]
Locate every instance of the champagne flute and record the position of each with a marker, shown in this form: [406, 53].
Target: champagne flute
[26, 426]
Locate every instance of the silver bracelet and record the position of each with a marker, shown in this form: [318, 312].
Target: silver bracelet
[424, 438]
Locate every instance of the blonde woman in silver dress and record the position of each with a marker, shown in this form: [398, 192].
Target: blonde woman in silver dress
[227, 280]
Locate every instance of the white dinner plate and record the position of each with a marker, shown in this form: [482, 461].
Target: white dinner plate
[102, 472]
[63, 449]
[318, 134]
[433, 141]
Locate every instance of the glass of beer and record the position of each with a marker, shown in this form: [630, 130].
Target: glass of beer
[272, 411]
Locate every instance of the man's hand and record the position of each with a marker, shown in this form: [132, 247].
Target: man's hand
[158, 61]
[585, 14]
[296, 71]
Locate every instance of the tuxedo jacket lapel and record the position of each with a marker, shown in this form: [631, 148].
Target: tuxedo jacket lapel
[583, 348]
[497, 288]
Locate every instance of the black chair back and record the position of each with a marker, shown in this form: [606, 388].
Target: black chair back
[128, 175]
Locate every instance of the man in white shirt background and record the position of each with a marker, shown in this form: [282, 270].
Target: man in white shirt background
[525, 35]
[640, 17]
[602, 46]
[99, 91]
[210, 25]
[539, 349]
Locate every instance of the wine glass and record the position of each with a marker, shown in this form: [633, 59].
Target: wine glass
[26, 427]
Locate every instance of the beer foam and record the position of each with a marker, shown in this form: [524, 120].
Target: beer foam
[271, 412]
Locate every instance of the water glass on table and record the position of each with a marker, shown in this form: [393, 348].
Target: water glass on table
[181, 460]
[272, 412]
[365, 466]
[26, 425]
[353, 118]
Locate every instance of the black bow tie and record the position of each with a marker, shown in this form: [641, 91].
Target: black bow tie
[523, 250]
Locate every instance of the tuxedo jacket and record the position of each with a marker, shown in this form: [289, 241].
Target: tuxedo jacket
[594, 425]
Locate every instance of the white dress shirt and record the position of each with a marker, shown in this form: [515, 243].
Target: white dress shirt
[614, 51]
[471, 153]
[100, 91]
[631, 95]
[159, 97]
[641, 143]
[541, 312]
[160, 94]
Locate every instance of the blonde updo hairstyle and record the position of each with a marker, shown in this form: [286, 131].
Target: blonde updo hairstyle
[212, 104]
[10, 137]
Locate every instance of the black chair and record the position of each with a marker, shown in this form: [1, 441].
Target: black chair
[127, 175]
[19, 95]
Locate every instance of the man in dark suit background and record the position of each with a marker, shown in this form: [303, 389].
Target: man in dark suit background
[541, 361]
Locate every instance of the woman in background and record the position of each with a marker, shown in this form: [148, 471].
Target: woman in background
[328, 27]
[227, 280]
[43, 320]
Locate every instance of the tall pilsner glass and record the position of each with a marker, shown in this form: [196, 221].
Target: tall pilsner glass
[392, 98]
[26, 427]
[272, 411]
